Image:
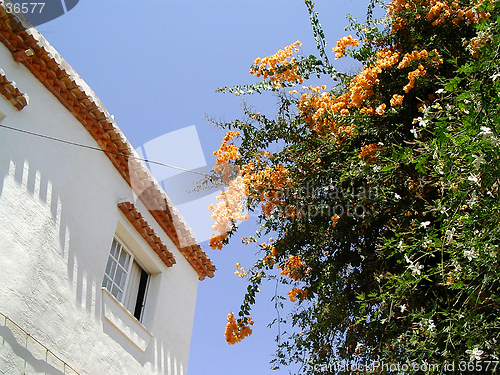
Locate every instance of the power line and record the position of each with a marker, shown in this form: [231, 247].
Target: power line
[99, 149]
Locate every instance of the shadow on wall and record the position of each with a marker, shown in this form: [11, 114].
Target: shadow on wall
[31, 355]
[35, 196]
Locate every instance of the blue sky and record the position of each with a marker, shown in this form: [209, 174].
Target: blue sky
[155, 65]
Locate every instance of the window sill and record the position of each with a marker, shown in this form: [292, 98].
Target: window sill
[124, 321]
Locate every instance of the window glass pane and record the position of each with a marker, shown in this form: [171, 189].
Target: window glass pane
[114, 248]
[112, 271]
[108, 267]
[133, 284]
[116, 292]
[124, 259]
[120, 277]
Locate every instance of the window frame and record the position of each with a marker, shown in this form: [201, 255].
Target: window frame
[138, 315]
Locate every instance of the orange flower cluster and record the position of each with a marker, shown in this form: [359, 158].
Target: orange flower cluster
[397, 100]
[369, 153]
[415, 55]
[292, 268]
[215, 241]
[240, 271]
[235, 332]
[360, 86]
[367, 110]
[437, 11]
[395, 7]
[342, 44]
[474, 15]
[440, 11]
[227, 152]
[380, 110]
[229, 209]
[314, 106]
[294, 293]
[266, 183]
[386, 58]
[477, 42]
[420, 71]
[335, 219]
[277, 68]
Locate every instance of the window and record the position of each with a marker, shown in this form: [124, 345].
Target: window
[126, 280]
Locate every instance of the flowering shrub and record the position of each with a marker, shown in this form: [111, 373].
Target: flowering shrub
[380, 192]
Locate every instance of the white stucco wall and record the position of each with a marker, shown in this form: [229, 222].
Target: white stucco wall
[58, 217]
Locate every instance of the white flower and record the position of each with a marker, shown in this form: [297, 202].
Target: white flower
[359, 346]
[473, 199]
[449, 234]
[402, 308]
[495, 76]
[457, 266]
[422, 122]
[475, 354]
[425, 110]
[478, 161]
[414, 132]
[470, 254]
[473, 178]
[428, 325]
[431, 326]
[440, 91]
[426, 242]
[486, 133]
[425, 224]
[397, 196]
[415, 268]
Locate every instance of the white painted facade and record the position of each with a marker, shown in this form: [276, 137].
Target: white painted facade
[58, 218]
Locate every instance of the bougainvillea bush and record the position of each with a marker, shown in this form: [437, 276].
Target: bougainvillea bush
[377, 193]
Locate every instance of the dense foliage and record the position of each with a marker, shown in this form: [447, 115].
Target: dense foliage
[380, 191]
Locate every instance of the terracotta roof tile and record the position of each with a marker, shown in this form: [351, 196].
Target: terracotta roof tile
[11, 92]
[136, 219]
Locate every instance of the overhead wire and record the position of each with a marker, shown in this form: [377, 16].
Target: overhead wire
[99, 149]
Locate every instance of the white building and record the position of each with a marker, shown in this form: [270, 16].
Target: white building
[98, 270]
